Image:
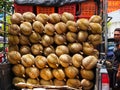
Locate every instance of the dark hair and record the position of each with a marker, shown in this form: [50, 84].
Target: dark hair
[117, 29]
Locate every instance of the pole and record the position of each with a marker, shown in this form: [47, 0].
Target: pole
[105, 29]
[4, 45]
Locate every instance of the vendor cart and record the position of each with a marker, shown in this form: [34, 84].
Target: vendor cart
[101, 80]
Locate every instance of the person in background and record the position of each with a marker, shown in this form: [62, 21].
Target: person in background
[117, 58]
[117, 35]
[111, 58]
[116, 40]
[117, 55]
[116, 82]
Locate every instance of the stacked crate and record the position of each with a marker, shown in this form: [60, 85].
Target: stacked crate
[113, 5]
[45, 10]
[81, 10]
[71, 8]
[87, 9]
[19, 8]
[23, 8]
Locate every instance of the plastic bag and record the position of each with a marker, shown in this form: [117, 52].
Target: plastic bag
[47, 2]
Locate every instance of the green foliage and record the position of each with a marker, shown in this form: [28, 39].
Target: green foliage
[6, 3]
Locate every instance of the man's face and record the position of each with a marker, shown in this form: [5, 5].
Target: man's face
[117, 35]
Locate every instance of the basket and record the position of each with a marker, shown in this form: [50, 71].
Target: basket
[23, 8]
[113, 5]
[87, 9]
[71, 8]
[45, 10]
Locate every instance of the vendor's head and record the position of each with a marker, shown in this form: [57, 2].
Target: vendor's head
[117, 34]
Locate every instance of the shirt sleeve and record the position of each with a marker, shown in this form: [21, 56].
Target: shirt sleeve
[117, 55]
